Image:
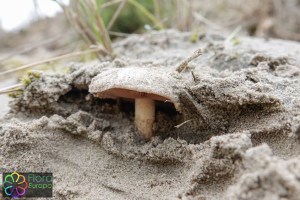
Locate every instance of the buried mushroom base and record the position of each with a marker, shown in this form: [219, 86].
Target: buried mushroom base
[144, 116]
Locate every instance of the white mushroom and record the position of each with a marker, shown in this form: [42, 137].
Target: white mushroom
[144, 85]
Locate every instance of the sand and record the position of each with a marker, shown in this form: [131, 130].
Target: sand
[240, 104]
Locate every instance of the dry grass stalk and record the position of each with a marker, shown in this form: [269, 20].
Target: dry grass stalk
[104, 52]
[184, 64]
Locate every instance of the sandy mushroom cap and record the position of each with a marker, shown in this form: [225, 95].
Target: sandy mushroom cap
[135, 82]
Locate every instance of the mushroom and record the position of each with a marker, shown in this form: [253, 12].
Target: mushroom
[144, 85]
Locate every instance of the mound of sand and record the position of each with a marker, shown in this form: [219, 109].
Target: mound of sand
[240, 140]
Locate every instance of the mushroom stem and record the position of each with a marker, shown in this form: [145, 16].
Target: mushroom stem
[144, 116]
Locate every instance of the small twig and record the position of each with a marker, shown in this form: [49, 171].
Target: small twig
[183, 123]
[119, 34]
[194, 77]
[10, 89]
[54, 59]
[232, 35]
[113, 188]
[146, 13]
[25, 49]
[201, 18]
[184, 64]
[110, 3]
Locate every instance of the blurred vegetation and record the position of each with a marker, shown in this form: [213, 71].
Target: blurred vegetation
[99, 20]
[130, 19]
[96, 19]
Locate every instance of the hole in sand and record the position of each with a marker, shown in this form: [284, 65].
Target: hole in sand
[166, 117]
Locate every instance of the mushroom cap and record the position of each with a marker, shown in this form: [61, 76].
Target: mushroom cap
[135, 82]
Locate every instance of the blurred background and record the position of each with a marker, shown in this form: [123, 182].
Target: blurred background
[41, 29]
[33, 33]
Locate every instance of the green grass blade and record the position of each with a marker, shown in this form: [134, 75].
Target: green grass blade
[147, 13]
